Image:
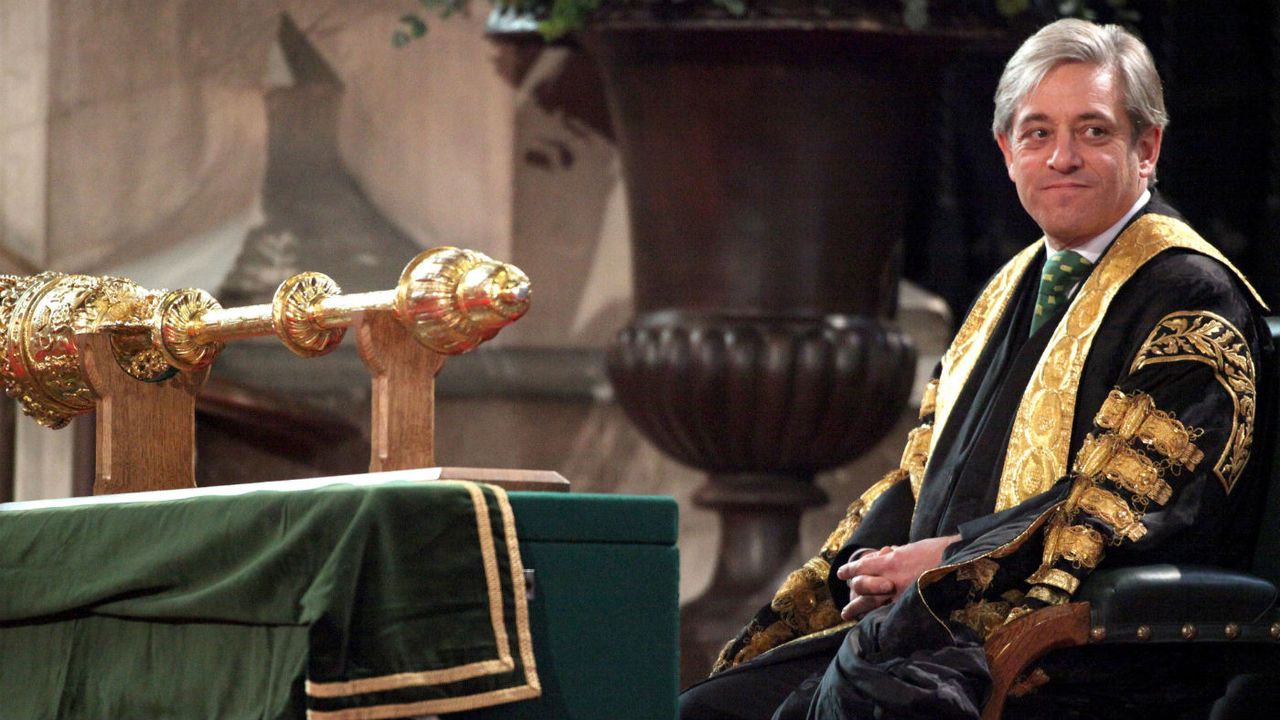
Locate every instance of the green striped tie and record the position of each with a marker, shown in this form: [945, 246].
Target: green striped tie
[1062, 271]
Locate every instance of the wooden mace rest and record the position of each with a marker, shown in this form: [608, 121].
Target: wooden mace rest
[145, 434]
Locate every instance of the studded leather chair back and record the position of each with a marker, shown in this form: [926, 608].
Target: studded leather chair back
[1266, 451]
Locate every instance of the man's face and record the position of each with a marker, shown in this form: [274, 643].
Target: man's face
[1072, 155]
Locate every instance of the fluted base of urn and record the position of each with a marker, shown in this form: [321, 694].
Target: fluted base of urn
[759, 527]
[765, 395]
[762, 404]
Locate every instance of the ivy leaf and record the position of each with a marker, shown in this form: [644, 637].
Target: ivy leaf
[411, 28]
[567, 16]
[737, 8]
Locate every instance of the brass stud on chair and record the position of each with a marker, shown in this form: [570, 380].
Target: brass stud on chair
[1275, 631]
[1189, 632]
[1232, 631]
[1144, 632]
[1098, 633]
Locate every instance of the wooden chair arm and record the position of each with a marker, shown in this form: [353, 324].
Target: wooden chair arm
[1012, 648]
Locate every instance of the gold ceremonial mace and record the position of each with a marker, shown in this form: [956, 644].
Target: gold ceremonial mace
[450, 300]
[74, 342]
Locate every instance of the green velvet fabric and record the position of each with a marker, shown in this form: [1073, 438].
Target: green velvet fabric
[391, 599]
[595, 518]
[605, 608]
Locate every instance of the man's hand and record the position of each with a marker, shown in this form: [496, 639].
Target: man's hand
[879, 577]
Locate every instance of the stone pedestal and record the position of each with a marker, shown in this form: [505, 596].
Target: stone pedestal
[767, 169]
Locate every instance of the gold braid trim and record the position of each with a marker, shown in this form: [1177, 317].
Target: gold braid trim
[1136, 416]
[1055, 578]
[761, 639]
[915, 456]
[1047, 595]
[1080, 545]
[962, 356]
[1204, 337]
[1109, 456]
[1036, 456]
[1112, 510]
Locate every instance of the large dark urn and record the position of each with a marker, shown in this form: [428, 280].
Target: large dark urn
[767, 171]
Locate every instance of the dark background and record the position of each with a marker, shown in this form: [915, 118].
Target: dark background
[1220, 164]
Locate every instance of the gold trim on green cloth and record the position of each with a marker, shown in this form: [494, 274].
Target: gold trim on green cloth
[426, 707]
[1036, 456]
[961, 357]
[501, 664]
[1211, 339]
[524, 638]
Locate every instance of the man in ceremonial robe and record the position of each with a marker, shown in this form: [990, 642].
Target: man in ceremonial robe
[1095, 409]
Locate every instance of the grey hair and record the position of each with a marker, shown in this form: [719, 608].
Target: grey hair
[1078, 41]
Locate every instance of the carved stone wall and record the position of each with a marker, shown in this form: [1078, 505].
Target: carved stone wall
[156, 127]
[24, 116]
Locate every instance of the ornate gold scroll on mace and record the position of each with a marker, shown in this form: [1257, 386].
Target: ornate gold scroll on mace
[73, 343]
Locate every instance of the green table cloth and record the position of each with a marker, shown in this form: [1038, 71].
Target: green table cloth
[391, 598]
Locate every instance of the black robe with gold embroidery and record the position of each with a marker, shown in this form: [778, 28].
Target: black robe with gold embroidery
[1158, 439]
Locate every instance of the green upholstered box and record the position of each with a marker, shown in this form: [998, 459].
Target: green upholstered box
[605, 607]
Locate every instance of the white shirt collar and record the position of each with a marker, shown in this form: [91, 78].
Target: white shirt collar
[1093, 249]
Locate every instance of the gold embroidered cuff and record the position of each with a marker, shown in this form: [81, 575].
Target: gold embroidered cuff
[1053, 577]
[1136, 415]
[1110, 456]
[1048, 595]
[929, 402]
[1112, 510]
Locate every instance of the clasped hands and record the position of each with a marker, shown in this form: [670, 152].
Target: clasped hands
[878, 577]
